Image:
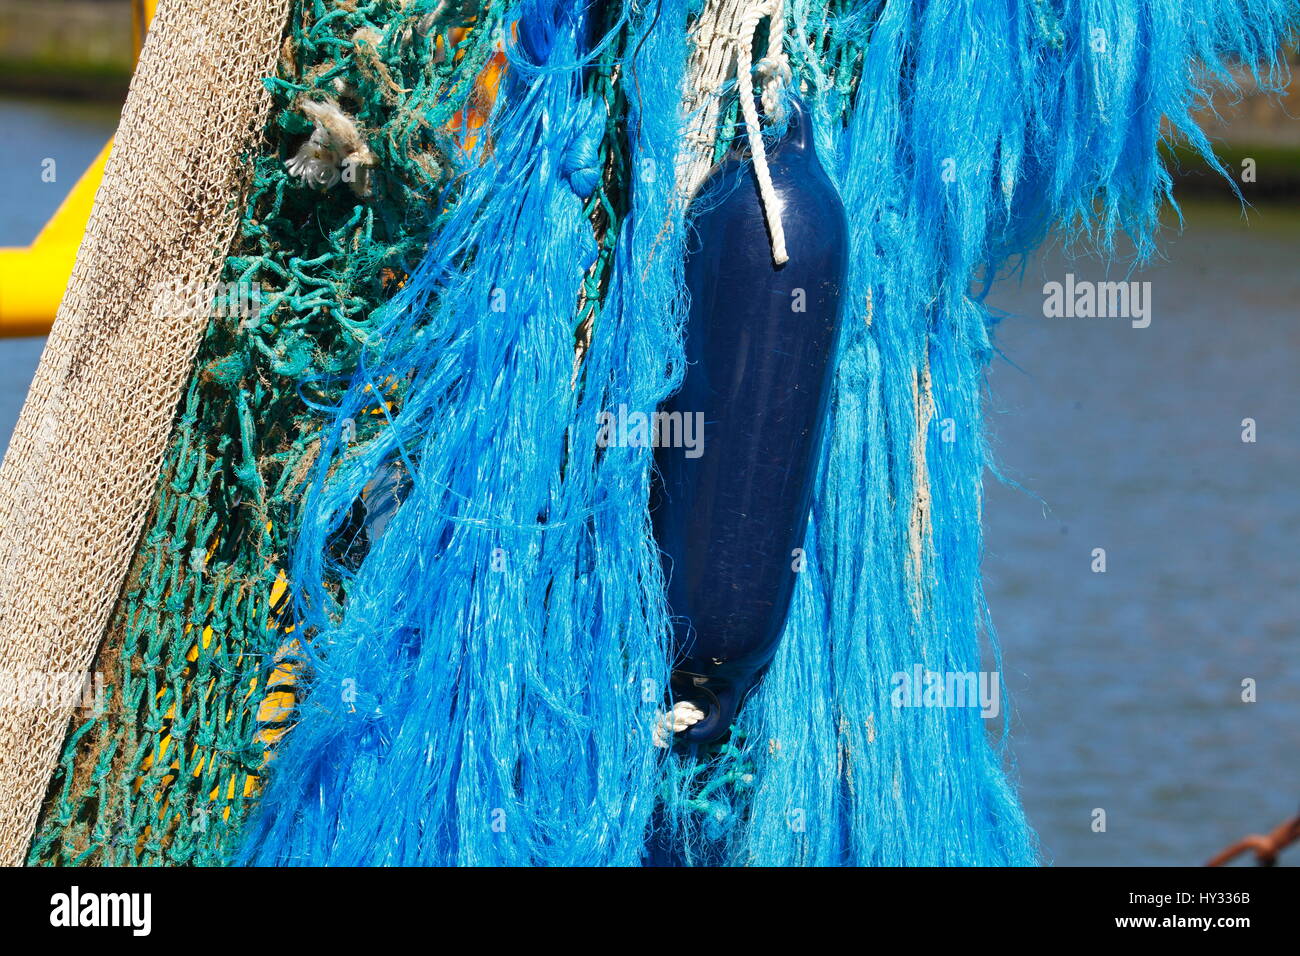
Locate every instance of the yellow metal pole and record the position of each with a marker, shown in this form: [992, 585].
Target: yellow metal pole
[32, 278]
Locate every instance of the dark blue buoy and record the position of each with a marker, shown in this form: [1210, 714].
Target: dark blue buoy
[370, 514]
[760, 352]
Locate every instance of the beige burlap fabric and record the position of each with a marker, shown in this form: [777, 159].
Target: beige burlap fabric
[77, 480]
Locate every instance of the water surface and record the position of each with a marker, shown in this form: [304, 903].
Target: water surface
[1127, 684]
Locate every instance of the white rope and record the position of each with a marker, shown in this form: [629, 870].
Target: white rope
[683, 716]
[723, 37]
[776, 72]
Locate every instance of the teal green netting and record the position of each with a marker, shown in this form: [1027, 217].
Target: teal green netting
[164, 771]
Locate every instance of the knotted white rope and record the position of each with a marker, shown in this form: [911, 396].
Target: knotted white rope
[683, 716]
[723, 38]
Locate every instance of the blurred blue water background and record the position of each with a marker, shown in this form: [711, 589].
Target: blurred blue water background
[1126, 686]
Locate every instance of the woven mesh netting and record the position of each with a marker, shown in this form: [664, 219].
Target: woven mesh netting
[161, 766]
[193, 679]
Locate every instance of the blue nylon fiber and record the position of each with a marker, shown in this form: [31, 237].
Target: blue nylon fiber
[501, 634]
[581, 162]
[487, 692]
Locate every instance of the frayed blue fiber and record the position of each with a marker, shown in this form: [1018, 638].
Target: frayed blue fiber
[487, 691]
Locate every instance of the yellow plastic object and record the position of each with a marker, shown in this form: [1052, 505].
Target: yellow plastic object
[32, 278]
